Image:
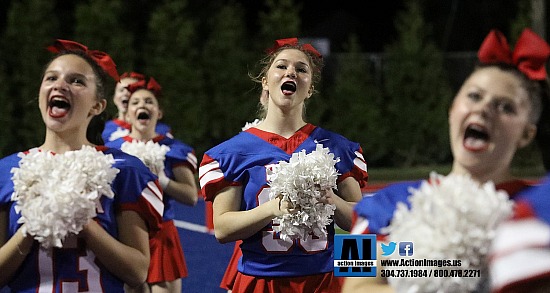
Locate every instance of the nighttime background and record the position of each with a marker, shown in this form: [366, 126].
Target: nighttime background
[391, 67]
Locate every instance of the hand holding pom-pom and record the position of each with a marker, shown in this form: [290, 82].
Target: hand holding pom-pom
[302, 182]
[57, 194]
[151, 153]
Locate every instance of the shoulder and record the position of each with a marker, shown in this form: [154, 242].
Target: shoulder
[124, 160]
[117, 143]
[243, 142]
[175, 143]
[321, 133]
[377, 210]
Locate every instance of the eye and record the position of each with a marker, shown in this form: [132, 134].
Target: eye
[281, 66]
[474, 96]
[76, 80]
[302, 69]
[505, 107]
[50, 77]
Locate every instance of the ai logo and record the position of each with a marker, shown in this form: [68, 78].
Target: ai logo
[355, 255]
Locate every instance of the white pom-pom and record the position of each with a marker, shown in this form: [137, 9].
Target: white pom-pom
[451, 218]
[152, 154]
[302, 181]
[252, 124]
[57, 194]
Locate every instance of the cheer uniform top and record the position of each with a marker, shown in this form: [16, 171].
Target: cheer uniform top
[520, 256]
[242, 161]
[74, 268]
[375, 212]
[167, 257]
[117, 128]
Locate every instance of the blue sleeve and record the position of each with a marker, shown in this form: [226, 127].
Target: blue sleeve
[378, 208]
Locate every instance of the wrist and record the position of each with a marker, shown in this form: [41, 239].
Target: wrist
[163, 181]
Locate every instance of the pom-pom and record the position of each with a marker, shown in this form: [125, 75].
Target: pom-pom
[57, 194]
[302, 181]
[252, 124]
[152, 154]
[451, 217]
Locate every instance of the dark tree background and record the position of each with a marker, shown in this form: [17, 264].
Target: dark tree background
[391, 67]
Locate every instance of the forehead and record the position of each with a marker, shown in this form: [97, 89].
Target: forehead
[498, 82]
[142, 94]
[71, 63]
[292, 55]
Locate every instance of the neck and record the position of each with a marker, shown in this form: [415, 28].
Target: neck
[282, 125]
[63, 142]
[143, 135]
[483, 175]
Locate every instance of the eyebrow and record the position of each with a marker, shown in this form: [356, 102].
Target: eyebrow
[286, 60]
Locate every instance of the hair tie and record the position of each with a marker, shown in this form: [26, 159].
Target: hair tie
[293, 42]
[134, 75]
[152, 85]
[101, 58]
[529, 56]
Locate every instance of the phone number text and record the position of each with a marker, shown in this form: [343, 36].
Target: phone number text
[425, 273]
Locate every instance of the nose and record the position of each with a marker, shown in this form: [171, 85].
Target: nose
[60, 85]
[291, 72]
[486, 107]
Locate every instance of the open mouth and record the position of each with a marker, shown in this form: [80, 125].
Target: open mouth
[143, 116]
[59, 107]
[288, 88]
[476, 138]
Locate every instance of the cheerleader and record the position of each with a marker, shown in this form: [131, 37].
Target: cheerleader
[112, 246]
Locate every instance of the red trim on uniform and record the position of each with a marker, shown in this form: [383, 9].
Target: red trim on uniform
[523, 210]
[288, 145]
[122, 123]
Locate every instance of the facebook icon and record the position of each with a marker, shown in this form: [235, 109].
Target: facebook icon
[406, 248]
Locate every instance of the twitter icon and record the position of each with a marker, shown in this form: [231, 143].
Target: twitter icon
[388, 249]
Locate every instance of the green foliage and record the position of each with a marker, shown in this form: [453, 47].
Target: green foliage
[203, 59]
[354, 104]
[98, 26]
[417, 92]
[228, 102]
[29, 28]
[171, 55]
[279, 12]
[522, 19]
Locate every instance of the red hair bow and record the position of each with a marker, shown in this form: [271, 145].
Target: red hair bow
[152, 85]
[529, 55]
[101, 58]
[134, 75]
[293, 42]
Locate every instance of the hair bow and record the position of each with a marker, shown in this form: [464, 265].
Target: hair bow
[152, 85]
[133, 75]
[293, 42]
[529, 56]
[101, 58]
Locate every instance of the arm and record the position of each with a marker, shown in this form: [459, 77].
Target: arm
[127, 257]
[184, 187]
[14, 250]
[348, 193]
[231, 224]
